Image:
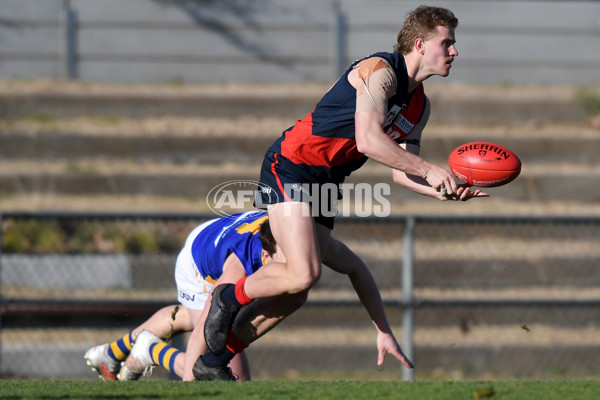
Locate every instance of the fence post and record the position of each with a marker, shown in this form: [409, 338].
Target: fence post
[408, 314]
[339, 40]
[1, 297]
[69, 62]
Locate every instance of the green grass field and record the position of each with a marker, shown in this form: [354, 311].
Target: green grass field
[265, 390]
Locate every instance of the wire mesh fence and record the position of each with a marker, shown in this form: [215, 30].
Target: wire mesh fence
[491, 297]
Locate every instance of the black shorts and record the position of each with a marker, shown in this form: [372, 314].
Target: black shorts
[281, 180]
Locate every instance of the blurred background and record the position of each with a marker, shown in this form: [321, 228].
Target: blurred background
[118, 117]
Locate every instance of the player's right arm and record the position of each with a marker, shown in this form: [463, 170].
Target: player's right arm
[233, 270]
[375, 83]
[416, 183]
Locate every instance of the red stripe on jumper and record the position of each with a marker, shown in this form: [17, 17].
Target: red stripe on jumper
[287, 198]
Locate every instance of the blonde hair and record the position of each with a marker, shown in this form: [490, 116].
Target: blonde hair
[420, 23]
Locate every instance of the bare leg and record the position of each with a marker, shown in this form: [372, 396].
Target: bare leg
[294, 230]
[196, 343]
[240, 366]
[299, 239]
[166, 321]
[264, 314]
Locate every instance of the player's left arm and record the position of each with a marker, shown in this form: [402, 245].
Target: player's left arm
[418, 184]
[343, 260]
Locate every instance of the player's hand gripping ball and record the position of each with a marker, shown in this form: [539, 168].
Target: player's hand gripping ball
[484, 164]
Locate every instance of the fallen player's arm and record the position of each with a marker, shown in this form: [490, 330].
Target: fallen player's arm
[233, 270]
[341, 259]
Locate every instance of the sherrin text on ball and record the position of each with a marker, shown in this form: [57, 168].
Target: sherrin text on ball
[484, 164]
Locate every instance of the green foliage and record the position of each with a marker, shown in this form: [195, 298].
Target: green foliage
[82, 241]
[112, 234]
[106, 120]
[142, 242]
[36, 236]
[322, 390]
[77, 168]
[87, 237]
[590, 100]
[41, 118]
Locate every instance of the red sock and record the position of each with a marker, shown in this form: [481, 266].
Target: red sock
[240, 293]
[235, 344]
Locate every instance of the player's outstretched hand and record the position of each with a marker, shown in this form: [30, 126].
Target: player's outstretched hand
[386, 343]
[440, 179]
[463, 193]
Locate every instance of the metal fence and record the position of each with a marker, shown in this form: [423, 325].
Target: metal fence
[161, 41]
[468, 297]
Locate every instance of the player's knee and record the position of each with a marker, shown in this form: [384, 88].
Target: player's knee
[306, 280]
[301, 285]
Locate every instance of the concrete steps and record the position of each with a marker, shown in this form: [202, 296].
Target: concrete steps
[215, 150]
[453, 103]
[528, 187]
[55, 162]
[560, 169]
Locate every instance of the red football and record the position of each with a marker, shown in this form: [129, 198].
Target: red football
[484, 164]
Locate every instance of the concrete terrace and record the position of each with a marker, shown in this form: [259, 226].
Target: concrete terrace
[85, 146]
